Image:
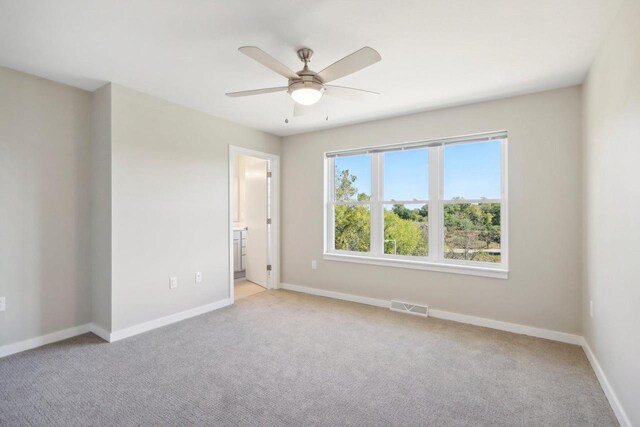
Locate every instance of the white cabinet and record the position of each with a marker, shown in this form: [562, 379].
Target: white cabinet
[239, 250]
[236, 259]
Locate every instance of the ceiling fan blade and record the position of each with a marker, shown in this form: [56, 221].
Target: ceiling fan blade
[351, 93]
[268, 61]
[257, 91]
[350, 64]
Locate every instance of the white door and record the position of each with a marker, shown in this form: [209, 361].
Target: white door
[256, 200]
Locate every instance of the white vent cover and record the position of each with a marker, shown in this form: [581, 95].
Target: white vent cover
[405, 307]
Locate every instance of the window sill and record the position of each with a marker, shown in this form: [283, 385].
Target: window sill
[470, 270]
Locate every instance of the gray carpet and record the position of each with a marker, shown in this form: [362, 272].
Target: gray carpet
[282, 358]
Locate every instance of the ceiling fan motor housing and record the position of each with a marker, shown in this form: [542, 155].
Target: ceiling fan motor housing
[302, 84]
[308, 79]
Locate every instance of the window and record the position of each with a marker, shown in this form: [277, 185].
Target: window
[352, 207]
[438, 205]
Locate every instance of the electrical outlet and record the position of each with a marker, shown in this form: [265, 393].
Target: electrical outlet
[198, 277]
[3, 305]
[314, 264]
[173, 282]
[591, 308]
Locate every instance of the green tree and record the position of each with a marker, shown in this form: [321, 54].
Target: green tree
[404, 236]
[472, 230]
[352, 222]
[402, 211]
[345, 190]
[424, 212]
[352, 228]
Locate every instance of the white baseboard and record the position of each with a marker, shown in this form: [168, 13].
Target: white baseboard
[101, 332]
[335, 295]
[31, 343]
[446, 315]
[508, 327]
[167, 320]
[621, 414]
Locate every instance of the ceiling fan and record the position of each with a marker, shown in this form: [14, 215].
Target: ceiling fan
[306, 87]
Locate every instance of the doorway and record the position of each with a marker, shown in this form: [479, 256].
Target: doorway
[253, 222]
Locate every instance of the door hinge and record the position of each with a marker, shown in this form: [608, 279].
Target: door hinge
[268, 267]
[268, 174]
[268, 221]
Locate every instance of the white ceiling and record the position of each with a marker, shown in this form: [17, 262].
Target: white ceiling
[434, 52]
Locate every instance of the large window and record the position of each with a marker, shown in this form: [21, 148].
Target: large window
[437, 205]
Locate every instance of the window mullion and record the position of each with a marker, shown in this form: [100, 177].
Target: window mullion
[435, 204]
[377, 226]
[330, 205]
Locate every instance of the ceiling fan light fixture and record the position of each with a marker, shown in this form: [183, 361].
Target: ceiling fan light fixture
[306, 93]
[306, 87]
[306, 96]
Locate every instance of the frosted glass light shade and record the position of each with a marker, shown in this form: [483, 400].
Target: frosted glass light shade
[306, 96]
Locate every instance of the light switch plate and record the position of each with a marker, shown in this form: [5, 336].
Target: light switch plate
[314, 264]
[3, 305]
[173, 282]
[198, 277]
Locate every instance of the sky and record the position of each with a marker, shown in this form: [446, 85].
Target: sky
[471, 171]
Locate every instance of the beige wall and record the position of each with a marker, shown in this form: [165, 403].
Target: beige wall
[544, 285]
[44, 206]
[612, 206]
[101, 207]
[103, 197]
[170, 196]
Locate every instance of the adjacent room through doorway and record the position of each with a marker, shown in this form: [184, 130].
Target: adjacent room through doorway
[251, 185]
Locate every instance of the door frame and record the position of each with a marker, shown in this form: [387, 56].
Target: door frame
[274, 197]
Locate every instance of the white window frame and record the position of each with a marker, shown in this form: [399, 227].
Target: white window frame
[435, 259]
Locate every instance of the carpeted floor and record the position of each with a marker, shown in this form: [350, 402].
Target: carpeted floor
[282, 358]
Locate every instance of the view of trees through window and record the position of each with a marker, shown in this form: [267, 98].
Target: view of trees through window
[470, 217]
[406, 230]
[472, 231]
[352, 221]
[353, 228]
[405, 226]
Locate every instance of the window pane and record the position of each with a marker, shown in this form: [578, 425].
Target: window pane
[406, 175]
[472, 171]
[406, 230]
[352, 228]
[472, 231]
[352, 177]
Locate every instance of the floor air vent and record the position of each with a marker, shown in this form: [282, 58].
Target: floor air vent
[404, 307]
